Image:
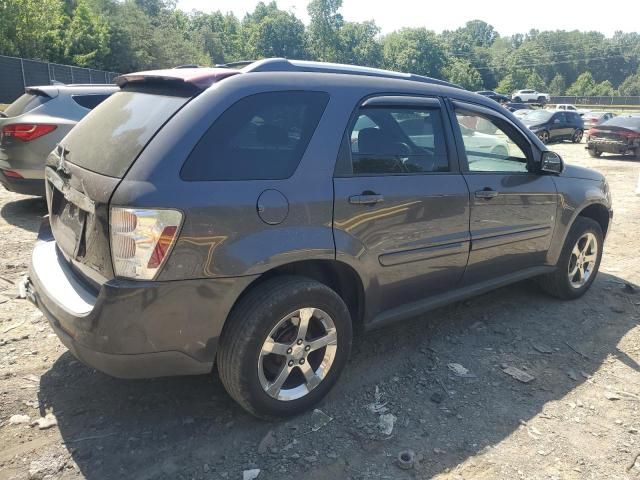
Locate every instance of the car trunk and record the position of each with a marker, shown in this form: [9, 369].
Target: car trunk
[87, 166]
[614, 134]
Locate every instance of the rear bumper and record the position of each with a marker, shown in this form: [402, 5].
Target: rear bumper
[24, 186]
[131, 329]
[611, 147]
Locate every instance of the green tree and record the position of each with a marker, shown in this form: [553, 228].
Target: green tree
[31, 28]
[415, 50]
[462, 73]
[604, 89]
[359, 44]
[324, 29]
[270, 32]
[86, 38]
[218, 35]
[558, 85]
[535, 82]
[631, 85]
[583, 86]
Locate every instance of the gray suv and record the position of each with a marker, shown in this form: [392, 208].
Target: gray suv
[254, 218]
[33, 125]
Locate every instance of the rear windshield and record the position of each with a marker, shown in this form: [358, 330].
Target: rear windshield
[26, 103]
[109, 139]
[624, 122]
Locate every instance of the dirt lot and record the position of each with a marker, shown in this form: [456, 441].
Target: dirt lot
[579, 418]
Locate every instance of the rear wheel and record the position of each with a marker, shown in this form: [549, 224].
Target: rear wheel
[517, 100]
[544, 136]
[579, 261]
[284, 346]
[594, 153]
[577, 136]
[542, 100]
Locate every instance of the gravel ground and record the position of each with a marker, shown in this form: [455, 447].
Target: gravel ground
[578, 419]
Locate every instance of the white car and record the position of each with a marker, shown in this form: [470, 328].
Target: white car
[530, 96]
[567, 107]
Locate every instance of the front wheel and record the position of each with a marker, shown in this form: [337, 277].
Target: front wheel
[578, 263]
[577, 136]
[517, 100]
[284, 346]
[544, 137]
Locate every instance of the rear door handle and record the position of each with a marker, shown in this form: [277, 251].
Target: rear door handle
[487, 193]
[368, 199]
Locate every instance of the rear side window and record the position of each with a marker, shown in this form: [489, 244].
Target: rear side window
[261, 137]
[26, 103]
[109, 139]
[89, 101]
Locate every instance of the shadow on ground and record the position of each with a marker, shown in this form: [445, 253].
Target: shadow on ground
[26, 213]
[189, 428]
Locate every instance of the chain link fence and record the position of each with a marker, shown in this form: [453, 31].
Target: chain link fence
[18, 73]
[631, 101]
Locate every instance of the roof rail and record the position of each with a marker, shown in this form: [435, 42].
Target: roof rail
[285, 65]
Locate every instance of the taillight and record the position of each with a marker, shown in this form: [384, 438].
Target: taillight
[141, 240]
[11, 174]
[27, 131]
[630, 135]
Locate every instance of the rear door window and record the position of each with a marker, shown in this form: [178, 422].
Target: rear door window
[392, 140]
[90, 101]
[109, 139]
[26, 103]
[261, 137]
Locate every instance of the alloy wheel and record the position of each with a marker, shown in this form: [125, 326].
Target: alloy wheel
[583, 260]
[297, 354]
[544, 137]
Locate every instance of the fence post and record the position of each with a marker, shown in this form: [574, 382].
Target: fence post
[24, 81]
[49, 72]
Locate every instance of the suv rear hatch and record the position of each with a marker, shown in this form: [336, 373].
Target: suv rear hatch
[87, 166]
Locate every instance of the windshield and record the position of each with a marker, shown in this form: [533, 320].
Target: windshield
[109, 139]
[624, 122]
[26, 103]
[537, 116]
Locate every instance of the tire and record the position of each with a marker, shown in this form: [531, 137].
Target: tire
[542, 100]
[558, 283]
[544, 136]
[247, 372]
[594, 153]
[517, 100]
[636, 154]
[500, 151]
[577, 136]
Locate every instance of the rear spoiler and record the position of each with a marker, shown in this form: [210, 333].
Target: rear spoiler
[199, 78]
[46, 91]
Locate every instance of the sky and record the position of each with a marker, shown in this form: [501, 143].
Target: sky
[506, 17]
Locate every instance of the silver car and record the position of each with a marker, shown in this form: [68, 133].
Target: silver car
[31, 127]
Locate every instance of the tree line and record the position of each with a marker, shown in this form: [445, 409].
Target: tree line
[130, 35]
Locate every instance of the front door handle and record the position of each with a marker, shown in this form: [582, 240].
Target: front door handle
[366, 199]
[487, 193]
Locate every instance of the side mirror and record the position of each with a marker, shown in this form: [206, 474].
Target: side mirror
[551, 163]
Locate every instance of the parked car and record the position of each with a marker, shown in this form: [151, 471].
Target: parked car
[520, 114]
[498, 97]
[592, 119]
[555, 126]
[32, 126]
[565, 107]
[620, 135]
[227, 217]
[513, 106]
[531, 96]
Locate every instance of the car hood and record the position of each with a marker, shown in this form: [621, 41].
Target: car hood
[573, 171]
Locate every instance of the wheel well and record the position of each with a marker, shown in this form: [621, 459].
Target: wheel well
[599, 213]
[338, 276]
